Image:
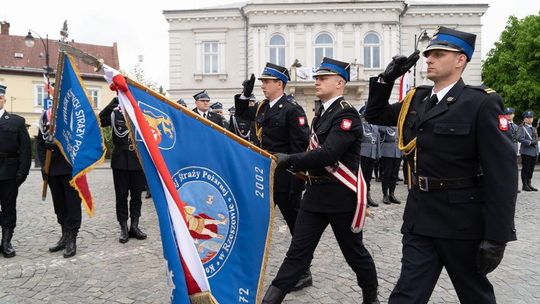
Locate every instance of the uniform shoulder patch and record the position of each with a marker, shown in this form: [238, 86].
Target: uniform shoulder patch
[344, 104]
[346, 124]
[483, 88]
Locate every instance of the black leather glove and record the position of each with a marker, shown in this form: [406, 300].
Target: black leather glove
[19, 179]
[282, 160]
[248, 85]
[399, 66]
[489, 256]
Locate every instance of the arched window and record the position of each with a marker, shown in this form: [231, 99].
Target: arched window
[324, 47]
[277, 50]
[372, 51]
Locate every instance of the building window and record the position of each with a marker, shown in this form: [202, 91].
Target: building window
[210, 57]
[277, 50]
[40, 95]
[324, 47]
[372, 51]
[94, 97]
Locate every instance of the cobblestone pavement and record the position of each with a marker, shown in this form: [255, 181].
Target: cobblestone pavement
[105, 271]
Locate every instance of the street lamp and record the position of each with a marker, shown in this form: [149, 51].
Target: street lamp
[30, 42]
[422, 37]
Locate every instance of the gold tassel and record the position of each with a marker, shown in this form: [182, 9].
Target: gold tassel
[203, 298]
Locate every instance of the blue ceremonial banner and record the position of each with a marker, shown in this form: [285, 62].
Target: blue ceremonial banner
[226, 189]
[77, 130]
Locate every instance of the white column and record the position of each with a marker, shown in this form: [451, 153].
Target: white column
[292, 45]
[358, 43]
[339, 53]
[255, 48]
[262, 48]
[387, 47]
[308, 29]
[222, 57]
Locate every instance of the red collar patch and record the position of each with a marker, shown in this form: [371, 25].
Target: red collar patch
[346, 124]
[503, 123]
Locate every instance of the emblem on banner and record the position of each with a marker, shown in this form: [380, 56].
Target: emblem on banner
[211, 214]
[161, 126]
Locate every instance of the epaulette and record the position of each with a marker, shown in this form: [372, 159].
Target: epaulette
[294, 102]
[344, 104]
[483, 88]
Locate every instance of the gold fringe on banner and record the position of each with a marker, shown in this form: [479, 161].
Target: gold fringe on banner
[203, 298]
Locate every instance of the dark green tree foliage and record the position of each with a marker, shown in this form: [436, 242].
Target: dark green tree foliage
[512, 67]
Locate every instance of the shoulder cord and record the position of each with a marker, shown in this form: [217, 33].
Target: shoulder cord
[115, 130]
[411, 145]
[238, 130]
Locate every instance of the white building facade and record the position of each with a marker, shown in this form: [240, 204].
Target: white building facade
[217, 48]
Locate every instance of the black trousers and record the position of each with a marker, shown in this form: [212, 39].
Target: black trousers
[8, 203]
[421, 265]
[390, 172]
[288, 205]
[367, 164]
[309, 228]
[527, 164]
[66, 202]
[128, 183]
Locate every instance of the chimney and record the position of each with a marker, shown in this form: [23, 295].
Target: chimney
[5, 28]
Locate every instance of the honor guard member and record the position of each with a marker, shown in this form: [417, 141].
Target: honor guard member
[281, 127]
[460, 210]
[528, 137]
[336, 136]
[15, 161]
[182, 102]
[390, 161]
[217, 108]
[513, 128]
[239, 126]
[128, 175]
[369, 153]
[202, 106]
[66, 200]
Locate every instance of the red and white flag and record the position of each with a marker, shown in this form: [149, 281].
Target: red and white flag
[404, 85]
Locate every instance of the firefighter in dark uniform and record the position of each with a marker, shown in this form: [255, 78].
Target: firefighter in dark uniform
[217, 108]
[15, 160]
[337, 128]
[128, 175]
[202, 107]
[528, 137]
[460, 210]
[239, 126]
[281, 126]
[369, 153]
[390, 161]
[66, 200]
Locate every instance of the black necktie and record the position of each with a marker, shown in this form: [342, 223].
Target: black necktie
[433, 100]
[204, 115]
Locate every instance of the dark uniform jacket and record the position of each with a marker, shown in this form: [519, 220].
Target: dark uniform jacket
[124, 156]
[284, 129]
[15, 149]
[339, 132]
[528, 137]
[213, 117]
[241, 127]
[59, 165]
[458, 138]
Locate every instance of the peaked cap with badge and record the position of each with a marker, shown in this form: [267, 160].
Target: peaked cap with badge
[203, 95]
[452, 40]
[331, 66]
[274, 71]
[2, 89]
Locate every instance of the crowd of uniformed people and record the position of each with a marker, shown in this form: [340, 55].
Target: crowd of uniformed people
[459, 210]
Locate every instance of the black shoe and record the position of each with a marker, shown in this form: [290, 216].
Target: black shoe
[124, 236]
[273, 295]
[71, 243]
[61, 244]
[378, 179]
[305, 281]
[526, 187]
[399, 179]
[370, 296]
[371, 202]
[393, 199]
[148, 194]
[386, 200]
[531, 186]
[134, 230]
[5, 246]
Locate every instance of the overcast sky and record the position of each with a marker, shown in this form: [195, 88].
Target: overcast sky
[139, 28]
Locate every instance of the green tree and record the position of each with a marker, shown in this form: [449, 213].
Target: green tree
[139, 75]
[512, 67]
